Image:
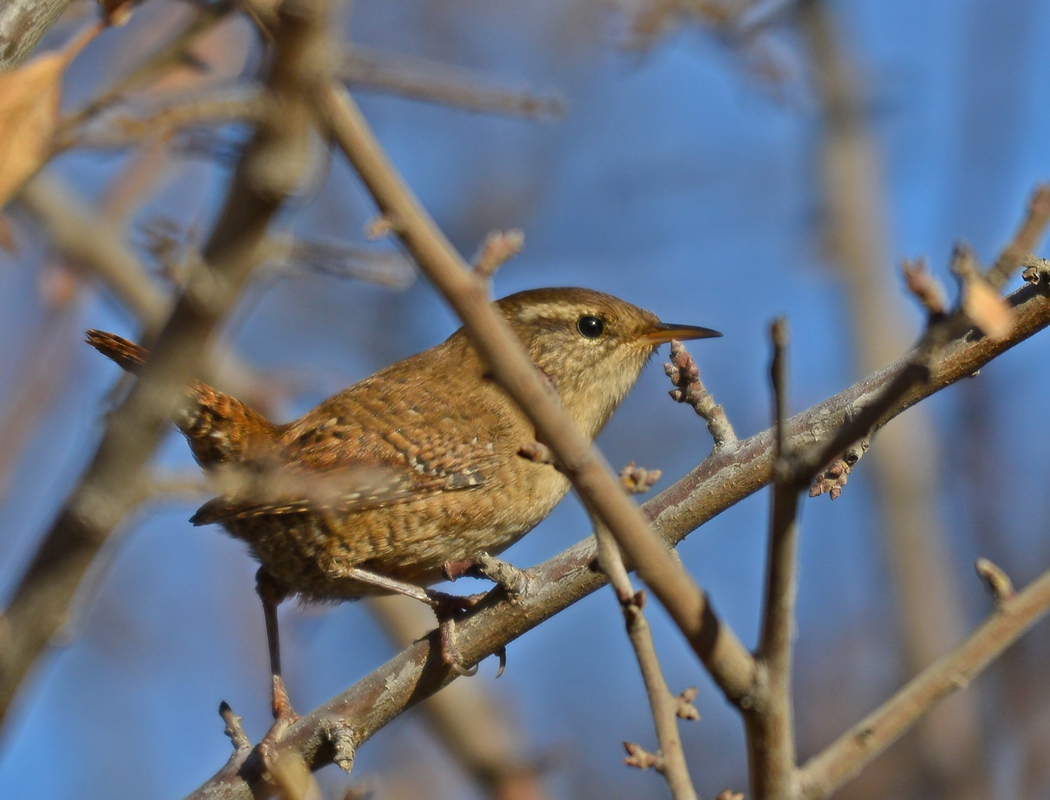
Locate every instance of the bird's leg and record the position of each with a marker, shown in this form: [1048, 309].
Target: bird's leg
[445, 606]
[390, 585]
[271, 593]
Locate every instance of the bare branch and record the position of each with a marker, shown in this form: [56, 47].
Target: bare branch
[1025, 241]
[592, 477]
[924, 359]
[96, 245]
[270, 168]
[171, 54]
[22, 23]
[841, 760]
[771, 738]
[369, 69]
[123, 126]
[466, 717]
[685, 375]
[723, 479]
[664, 706]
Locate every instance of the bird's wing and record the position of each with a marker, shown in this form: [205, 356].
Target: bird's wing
[322, 478]
[350, 454]
[344, 489]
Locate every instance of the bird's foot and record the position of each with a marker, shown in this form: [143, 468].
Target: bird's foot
[284, 717]
[447, 608]
[515, 582]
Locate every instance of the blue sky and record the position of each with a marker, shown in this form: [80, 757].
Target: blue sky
[678, 181]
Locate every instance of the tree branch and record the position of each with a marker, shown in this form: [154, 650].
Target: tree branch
[22, 24]
[845, 757]
[270, 168]
[725, 657]
[725, 478]
[662, 703]
[770, 721]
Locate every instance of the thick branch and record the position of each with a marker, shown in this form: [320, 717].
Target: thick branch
[725, 657]
[270, 168]
[722, 480]
[22, 23]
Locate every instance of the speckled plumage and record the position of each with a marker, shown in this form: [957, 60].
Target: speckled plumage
[418, 464]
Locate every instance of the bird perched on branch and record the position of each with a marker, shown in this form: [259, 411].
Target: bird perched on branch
[380, 486]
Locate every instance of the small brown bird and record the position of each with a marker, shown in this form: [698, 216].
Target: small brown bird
[383, 484]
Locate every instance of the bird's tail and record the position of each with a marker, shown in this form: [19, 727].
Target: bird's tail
[127, 355]
[220, 429]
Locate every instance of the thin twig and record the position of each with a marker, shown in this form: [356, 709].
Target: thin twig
[924, 359]
[121, 129]
[771, 738]
[662, 703]
[158, 63]
[94, 243]
[368, 69]
[689, 389]
[1025, 241]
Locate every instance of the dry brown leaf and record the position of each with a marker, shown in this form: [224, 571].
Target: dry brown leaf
[988, 311]
[29, 103]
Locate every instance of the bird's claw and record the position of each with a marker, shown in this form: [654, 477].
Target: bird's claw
[449, 651]
[515, 582]
[284, 717]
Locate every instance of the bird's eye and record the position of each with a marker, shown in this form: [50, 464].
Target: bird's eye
[591, 327]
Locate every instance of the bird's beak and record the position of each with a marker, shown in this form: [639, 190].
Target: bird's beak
[666, 331]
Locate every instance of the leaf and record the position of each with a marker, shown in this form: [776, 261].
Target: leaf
[29, 104]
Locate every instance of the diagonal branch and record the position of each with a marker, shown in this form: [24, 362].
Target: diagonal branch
[270, 168]
[22, 24]
[369, 69]
[725, 478]
[726, 658]
[845, 757]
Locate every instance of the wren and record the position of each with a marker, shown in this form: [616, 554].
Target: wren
[381, 485]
